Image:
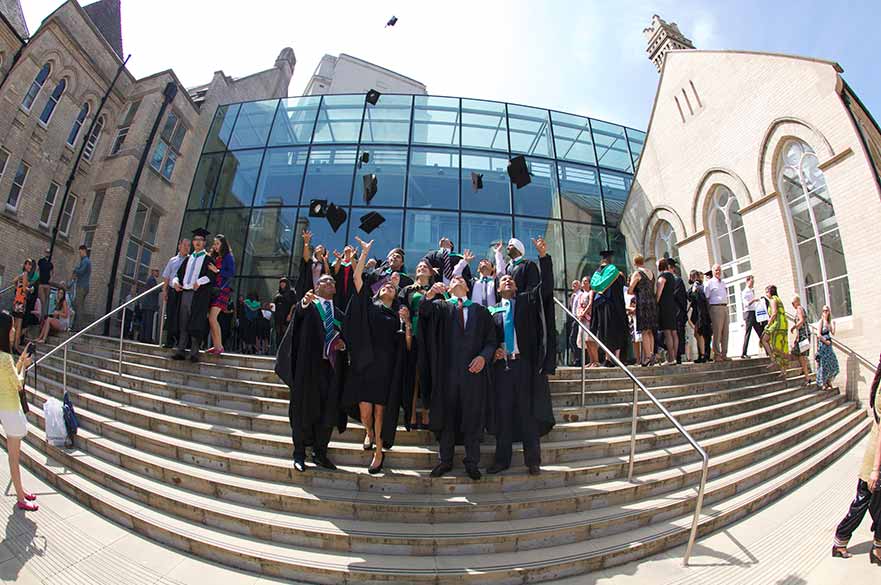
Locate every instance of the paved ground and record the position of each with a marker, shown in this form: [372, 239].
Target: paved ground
[787, 543]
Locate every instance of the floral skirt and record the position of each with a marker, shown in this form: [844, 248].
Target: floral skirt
[828, 364]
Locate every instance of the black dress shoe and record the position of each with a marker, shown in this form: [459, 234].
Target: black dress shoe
[178, 356]
[323, 461]
[496, 468]
[194, 357]
[441, 469]
[534, 470]
[473, 472]
[300, 465]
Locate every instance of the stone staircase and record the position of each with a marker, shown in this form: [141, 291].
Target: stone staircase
[197, 456]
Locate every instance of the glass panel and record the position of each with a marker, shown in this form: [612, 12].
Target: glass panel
[583, 246]
[281, 177]
[152, 227]
[329, 174]
[539, 198]
[615, 189]
[495, 196]
[168, 167]
[824, 213]
[232, 223]
[580, 191]
[527, 229]
[423, 230]
[529, 131]
[221, 128]
[385, 237]
[801, 220]
[810, 263]
[204, 181]
[484, 125]
[139, 220]
[169, 126]
[839, 298]
[572, 138]
[833, 254]
[262, 289]
[481, 232]
[339, 119]
[434, 179]
[253, 124]
[238, 178]
[611, 146]
[191, 221]
[618, 245]
[131, 258]
[636, 139]
[158, 155]
[436, 121]
[814, 299]
[741, 248]
[790, 185]
[294, 121]
[270, 241]
[321, 234]
[390, 167]
[388, 120]
[144, 267]
[49, 203]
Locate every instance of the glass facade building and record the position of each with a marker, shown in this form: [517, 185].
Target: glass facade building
[264, 161]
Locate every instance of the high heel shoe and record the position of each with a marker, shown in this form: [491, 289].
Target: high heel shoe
[28, 507]
[874, 559]
[368, 445]
[840, 552]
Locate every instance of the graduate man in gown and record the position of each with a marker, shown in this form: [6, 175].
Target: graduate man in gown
[461, 342]
[312, 362]
[484, 288]
[521, 395]
[608, 319]
[193, 285]
[443, 261]
[380, 275]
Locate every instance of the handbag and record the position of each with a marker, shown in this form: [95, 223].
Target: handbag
[23, 398]
[761, 312]
[804, 346]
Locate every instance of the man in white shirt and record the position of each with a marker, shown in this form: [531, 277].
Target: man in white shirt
[169, 295]
[749, 314]
[483, 288]
[717, 297]
[192, 283]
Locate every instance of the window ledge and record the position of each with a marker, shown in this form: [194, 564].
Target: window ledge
[27, 111]
[69, 146]
[160, 175]
[43, 125]
[11, 210]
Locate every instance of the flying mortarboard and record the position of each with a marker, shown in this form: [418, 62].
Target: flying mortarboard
[370, 187]
[201, 232]
[607, 254]
[373, 97]
[371, 221]
[476, 182]
[392, 21]
[708, 273]
[336, 216]
[318, 208]
[365, 157]
[518, 171]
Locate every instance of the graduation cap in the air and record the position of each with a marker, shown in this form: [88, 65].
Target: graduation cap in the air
[373, 97]
[476, 182]
[365, 158]
[518, 171]
[201, 232]
[318, 208]
[392, 21]
[708, 273]
[370, 187]
[370, 221]
[335, 216]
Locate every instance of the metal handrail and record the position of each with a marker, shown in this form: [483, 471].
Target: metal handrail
[64, 345]
[637, 385]
[3, 290]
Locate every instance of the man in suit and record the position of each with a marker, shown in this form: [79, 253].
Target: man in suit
[193, 285]
[443, 261]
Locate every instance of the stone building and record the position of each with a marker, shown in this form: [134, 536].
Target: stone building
[769, 165]
[64, 121]
[348, 74]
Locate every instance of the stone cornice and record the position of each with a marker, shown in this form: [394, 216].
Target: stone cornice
[759, 202]
[835, 159]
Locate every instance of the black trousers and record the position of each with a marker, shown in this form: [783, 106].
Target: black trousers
[511, 391]
[575, 351]
[184, 339]
[864, 501]
[448, 434]
[315, 434]
[749, 318]
[680, 330]
[147, 316]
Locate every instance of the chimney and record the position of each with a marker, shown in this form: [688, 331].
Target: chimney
[663, 37]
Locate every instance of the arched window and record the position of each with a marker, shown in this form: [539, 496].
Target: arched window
[92, 142]
[52, 103]
[35, 87]
[726, 228]
[78, 124]
[822, 271]
[665, 241]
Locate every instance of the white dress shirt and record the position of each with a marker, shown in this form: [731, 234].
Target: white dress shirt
[749, 296]
[716, 291]
[191, 275]
[484, 293]
[465, 309]
[172, 267]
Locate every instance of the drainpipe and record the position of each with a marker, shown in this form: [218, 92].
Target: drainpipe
[168, 94]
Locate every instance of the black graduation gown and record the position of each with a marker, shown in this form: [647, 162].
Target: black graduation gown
[447, 353]
[608, 319]
[528, 317]
[411, 297]
[198, 323]
[345, 285]
[298, 363]
[284, 300]
[304, 279]
[379, 359]
[528, 275]
[700, 311]
[374, 277]
[681, 297]
[436, 260]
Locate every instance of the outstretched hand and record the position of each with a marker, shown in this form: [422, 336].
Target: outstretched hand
[437, 288]
[365, 246]
[541, 246]
[337, 255]
[498, 247]
[307, 237]
[308, 298]
[468, 255]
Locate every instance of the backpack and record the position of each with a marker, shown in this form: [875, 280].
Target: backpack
[71, 423]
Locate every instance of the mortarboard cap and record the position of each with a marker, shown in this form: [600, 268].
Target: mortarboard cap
[371, 221]
[335, 216]
[318, 208]
[518, 171]
[476, 182]
[201, 232]
[607, 254]
[365, 157]
[708, 273]
[373, 97]
[392, 21]
[370, 187]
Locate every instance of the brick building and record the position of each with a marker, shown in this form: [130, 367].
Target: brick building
[58, 98]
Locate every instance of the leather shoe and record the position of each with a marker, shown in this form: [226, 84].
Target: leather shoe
[178, 356]
[496, 468]
[300, 465]
[534, 470]
[194, 357]
[441, 469]
[473, 473]
[323, 461]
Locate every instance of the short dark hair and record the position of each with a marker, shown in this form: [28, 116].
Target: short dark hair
[5, 326]
[662, 264]
[772, 288]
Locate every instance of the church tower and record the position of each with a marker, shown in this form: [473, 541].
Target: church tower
[663, 37]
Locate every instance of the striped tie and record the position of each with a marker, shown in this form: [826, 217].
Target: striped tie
[328, 322]
[448, 265]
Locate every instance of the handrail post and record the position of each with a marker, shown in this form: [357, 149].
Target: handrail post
[633, 433]
[697, 510]
[583, 368]
[64, 372]
[161, 322]
[121, 331]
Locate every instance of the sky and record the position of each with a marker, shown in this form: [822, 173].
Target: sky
[585, 57]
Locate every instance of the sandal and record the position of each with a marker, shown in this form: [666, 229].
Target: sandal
[840, 552]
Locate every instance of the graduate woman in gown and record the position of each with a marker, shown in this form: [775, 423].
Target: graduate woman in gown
[608, 320]
[411, 297]
[379, 336]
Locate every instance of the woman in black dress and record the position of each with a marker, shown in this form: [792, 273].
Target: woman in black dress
[642, 286]
[284, 301]
[410, 297]
[667, 310]
[378, 334]
[700, 315]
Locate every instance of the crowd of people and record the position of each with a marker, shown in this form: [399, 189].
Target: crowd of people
[667, 320]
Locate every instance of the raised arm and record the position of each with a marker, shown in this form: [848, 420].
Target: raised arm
[307, 249]
[358, 275]
[500, 260]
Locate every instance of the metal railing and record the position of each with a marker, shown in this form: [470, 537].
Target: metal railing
[637, 386]
[66, 343]
[4, 289]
